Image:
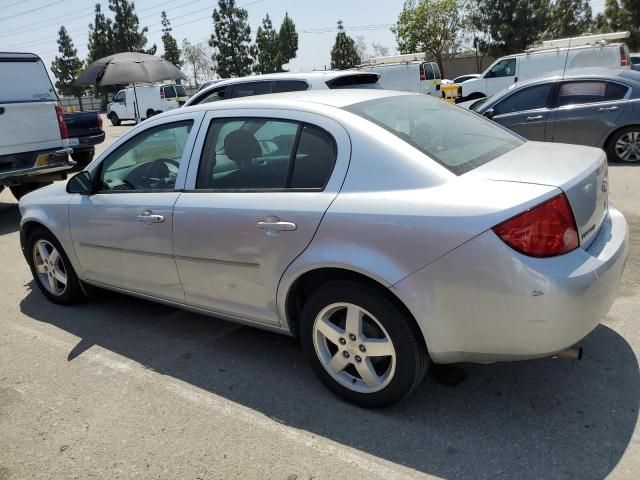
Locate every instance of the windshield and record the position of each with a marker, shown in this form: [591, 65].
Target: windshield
[455, 138]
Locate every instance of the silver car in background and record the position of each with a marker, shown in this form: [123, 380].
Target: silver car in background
[596, 109]
[352, 219]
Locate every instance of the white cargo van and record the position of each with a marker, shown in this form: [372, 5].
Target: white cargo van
[408, 73]
[33, 136]
[152, 99]
[551, 56]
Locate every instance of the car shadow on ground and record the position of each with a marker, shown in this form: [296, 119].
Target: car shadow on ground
[538, 419]
[9, 218]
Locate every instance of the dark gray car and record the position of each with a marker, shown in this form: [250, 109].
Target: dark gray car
[597, 109]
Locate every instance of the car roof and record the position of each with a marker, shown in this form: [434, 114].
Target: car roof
[19, 55]
[307, 100]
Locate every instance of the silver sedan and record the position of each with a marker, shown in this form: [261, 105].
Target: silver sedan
[386, 230]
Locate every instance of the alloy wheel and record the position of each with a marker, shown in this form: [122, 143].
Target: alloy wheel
[50, 267]
[627, 147]
[354, 348]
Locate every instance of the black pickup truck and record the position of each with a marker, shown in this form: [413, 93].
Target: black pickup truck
[85, 131]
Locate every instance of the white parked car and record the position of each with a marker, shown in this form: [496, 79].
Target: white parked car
[552, 56]
[282, 82]
[406, 73]
[353, 219]
[152, 99]
[33, 135]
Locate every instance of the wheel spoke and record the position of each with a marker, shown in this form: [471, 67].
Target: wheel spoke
[330, 331]
[378, 347]
[53, 258]
[367, 373]
[44, 255]
[52, 284]
[354, 320]
[60, 276]
[338, 363]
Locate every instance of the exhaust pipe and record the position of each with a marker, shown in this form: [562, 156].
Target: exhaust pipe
[571, 353]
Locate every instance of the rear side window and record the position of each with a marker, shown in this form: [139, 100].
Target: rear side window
[289, 86]
[315, 157]
[169, 92]
[526, 99]
[250, 89]
[33, 85]
[455, 138]
[369, 80]
[576, 93]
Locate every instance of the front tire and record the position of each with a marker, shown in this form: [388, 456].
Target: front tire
[362, 345]
[51, 269]
[624, 145]
[115, 120]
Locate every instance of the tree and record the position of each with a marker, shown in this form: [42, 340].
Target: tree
[569, 18]
[100, 36]
[361, 48]
[197, 60]
[379, 50]
[287, 40]
[267, 51]
[67, 67]
[231, 39]
[343, 53]
[621, 15]
[126, 37]
[431, 26]
[171, 50]
[508, 26]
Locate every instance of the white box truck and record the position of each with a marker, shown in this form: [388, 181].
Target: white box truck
[407, 73]
[152, 99]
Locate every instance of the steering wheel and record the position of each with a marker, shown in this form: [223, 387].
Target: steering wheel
[151, 174]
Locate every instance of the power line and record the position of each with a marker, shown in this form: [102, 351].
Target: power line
[33, 10]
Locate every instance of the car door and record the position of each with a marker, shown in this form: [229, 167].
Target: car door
[526, 111]
[588, 111]
[500, 75]
[122, 234]
[252, 205]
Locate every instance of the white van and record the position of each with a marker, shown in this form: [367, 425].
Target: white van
[408, 73]
[33, 135]
[551, 56]
[152, 99]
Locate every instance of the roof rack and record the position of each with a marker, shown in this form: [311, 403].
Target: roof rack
[598, 39]
[406, 58]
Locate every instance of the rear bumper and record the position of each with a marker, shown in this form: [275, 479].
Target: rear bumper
[32, 164]
[484, 302]
[87, 142]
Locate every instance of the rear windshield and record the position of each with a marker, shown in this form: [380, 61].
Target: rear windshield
[25, 80]
[355, 81]
[455, 138]
[180, 91]
[169, 92]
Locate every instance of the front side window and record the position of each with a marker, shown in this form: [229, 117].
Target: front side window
[575, 93]
[504, 68]
[119, 98]
[250, 89]
[530, 98]
[455, 138]
[258, 154]
[149, 161]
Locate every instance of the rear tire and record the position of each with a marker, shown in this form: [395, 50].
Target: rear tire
[21, 190]
[51, 268]
[342, 353]
[83, 158]
[115, 120]
[150, 113]
[624, 145]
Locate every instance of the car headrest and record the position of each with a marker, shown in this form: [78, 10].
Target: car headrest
[242, 147]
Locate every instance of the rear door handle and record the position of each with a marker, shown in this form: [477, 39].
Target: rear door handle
[273, 225]
[607, 109]
[537, 117]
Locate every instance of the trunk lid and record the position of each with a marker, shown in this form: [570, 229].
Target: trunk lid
[580, 172]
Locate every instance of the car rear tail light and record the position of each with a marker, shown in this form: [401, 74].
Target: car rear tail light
[422, 75]
[546, 230]
[64, 132]
[162, 94]
[100, 121]
[624, 58]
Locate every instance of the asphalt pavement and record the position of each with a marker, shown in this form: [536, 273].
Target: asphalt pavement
[123, 388]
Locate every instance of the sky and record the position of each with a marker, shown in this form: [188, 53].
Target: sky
[32, 25]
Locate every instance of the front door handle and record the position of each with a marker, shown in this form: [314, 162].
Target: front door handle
[537, 117]
[607, 109]
[273, 225]
[148, 217]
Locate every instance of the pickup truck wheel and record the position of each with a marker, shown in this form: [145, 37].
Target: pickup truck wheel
[51, 268]
[84, 157]
[21, 190]
[150, 113]
[115, 120]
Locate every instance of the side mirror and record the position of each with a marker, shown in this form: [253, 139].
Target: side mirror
[489, 113]
[80, 183]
